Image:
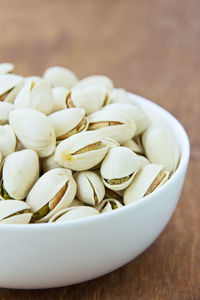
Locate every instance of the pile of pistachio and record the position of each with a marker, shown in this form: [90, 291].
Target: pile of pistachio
[74, 148]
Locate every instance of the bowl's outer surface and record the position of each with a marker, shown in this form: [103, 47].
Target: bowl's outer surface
[53, 255]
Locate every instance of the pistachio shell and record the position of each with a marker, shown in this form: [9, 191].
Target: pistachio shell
[34, 130]
[91, 97]
[6, 68]
[60, 94]
[108, 205]
[90, 188]
[112, 124]
[20, 172]
[48, 163]
[145, 182]
[5, 109]
[14, 212]
[36, 95]
[96, 79]
[117, 195]
[59, 76]
[7, 83]
[119, 168]
[131, 144]
[10, 97]
[120, 96]
[36, 79]
[67, 122]
[110, 142]
[161, 148]
[134, 112]
[81, 151]
[7, 140]
[53, 191]
[74, 213]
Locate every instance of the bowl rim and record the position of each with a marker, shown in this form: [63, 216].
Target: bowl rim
[185, 154]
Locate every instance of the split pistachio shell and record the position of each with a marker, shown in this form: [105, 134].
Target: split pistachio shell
[55, 190]
[14, 212]
[90, 188]
[68, 122]
[96, 79]
[48, 163]
[91, 97]
[60, 94]
[148, 179]
[134, 112]
[81, 151]
[112, 124]
[108, 205]
[119, 168]
[7, 83]
[7, 140]
[131, 144]
[161, 148]
[59, 76]
[110, 142]
[34, 130]
[10, 97]
[36, 95]
[20, 172]
[74, 213]
[117, 195]
[120, 96]
[5, 109]
[6, 68]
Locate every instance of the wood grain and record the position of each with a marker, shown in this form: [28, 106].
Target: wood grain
[148, 47]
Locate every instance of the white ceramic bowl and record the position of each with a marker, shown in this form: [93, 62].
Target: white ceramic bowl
[59, 254]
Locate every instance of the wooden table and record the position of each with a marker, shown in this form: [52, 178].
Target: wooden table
[149, 47]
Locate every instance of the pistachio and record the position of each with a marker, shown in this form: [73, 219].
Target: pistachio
[36, 95]
[120, 96]
[117, 195]
[74, 213]
[90, 188]
[76, 202]
[53, 191]
[34, 130]
[81, 151]
[112, 124]
[91, 97]
[6, 68]
[59, 76]
[96, 79]
[161, 148]
[119, 167]
[20, 172]
[68, 122]
[14, 212]
[60, 94]
[108, 204]
[5, 109]
[147, 180]
[7, 140]
[134, 112]
[131, 144]
[7, 83]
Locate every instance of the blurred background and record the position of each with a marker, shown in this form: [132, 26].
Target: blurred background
[149, 47]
